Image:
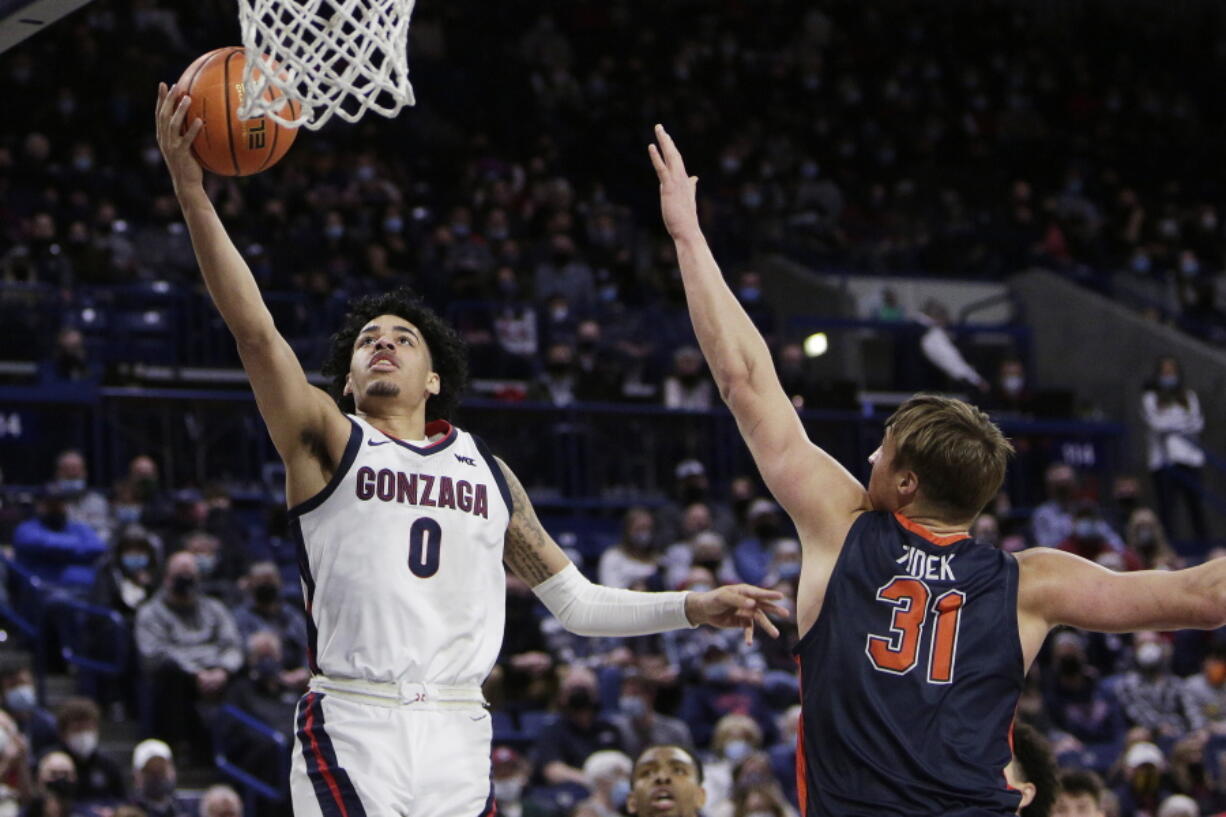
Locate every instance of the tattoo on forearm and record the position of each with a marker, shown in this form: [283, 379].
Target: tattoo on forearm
[525, 536]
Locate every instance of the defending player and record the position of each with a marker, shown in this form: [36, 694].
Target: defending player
[914, 638]
[402, 523]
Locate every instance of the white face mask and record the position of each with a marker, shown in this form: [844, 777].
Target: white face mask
[736, 750]
[1149, 655]
[508, 790]
[82, 744]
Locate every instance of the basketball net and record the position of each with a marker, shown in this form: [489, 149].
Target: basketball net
[341, 57]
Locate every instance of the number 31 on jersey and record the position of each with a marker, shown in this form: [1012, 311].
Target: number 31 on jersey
[899, 652]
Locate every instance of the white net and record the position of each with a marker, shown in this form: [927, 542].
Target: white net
[333, 57]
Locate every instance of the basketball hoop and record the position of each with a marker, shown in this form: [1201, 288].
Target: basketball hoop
[341, 57]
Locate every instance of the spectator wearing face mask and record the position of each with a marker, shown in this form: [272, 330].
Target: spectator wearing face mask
[266, 609]
[1052, 521]
[55, 788]
[57, 549]
[510, 772]
[268, 693]
[140, 498]
[752, 554]
[125, 579]
[706, 549]
[20, 701]
[562, 746]
[679, 518]
[1088, 539]
[638, 723]
[563, 272]
[598, 371]
[724, 674]
[1145, 537]
[688, 386]
[749, 295]
[154, 779]
[127, 576]
[69, 361]
[1145, 782]
[190, 646]
[736, 737]
[634, 560]
[214, 581]
[1149, 694]
[784, 565]
[608, 779]
[1010, 392]
[98, 777]
[1073, 696]
[264, 689]
[557, 384]
[1204, 694]
[1173, 422]
[84, 504]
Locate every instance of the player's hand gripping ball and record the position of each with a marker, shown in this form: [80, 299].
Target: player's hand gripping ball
[227, 145]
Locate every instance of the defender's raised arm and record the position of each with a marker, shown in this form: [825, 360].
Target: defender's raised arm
[816, 491]
[293, 410]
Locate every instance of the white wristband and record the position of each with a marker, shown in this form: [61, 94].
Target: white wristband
[594, 610]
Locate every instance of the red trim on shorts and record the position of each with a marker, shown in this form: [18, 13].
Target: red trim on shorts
[324, 769]
[922, 532]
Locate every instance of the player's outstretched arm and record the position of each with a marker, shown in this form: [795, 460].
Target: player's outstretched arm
[816, 491]
[1057, 588]
[594, 610]
[291, 407]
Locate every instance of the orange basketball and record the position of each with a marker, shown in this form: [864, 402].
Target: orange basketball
[227, 145]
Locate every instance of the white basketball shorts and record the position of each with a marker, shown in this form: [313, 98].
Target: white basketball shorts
[362, 755]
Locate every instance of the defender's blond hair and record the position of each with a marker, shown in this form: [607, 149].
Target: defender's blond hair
[956, 451]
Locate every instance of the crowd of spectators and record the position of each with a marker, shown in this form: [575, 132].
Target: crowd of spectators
[975, 139]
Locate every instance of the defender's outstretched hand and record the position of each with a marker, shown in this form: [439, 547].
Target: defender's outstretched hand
[175, 144]
[677, 190]
[736, 605]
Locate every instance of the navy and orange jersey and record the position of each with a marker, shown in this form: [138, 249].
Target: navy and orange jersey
[910, 677]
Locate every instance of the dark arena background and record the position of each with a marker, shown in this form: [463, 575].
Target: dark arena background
[1019, 203]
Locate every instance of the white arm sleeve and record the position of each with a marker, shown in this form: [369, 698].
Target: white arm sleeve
[590, 609]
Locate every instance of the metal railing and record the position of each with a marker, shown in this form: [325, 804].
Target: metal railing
[231, 721]
[582, 458]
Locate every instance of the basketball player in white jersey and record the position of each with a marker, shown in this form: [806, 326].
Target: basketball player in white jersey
[402, 523]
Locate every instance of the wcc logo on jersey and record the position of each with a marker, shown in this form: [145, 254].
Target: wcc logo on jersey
[422, 490]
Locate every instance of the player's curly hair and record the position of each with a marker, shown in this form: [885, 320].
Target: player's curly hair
[448, 354]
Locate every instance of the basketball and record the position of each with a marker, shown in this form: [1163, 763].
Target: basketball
[227, 145]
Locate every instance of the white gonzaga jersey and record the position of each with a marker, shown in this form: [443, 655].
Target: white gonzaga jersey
[401, 560]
